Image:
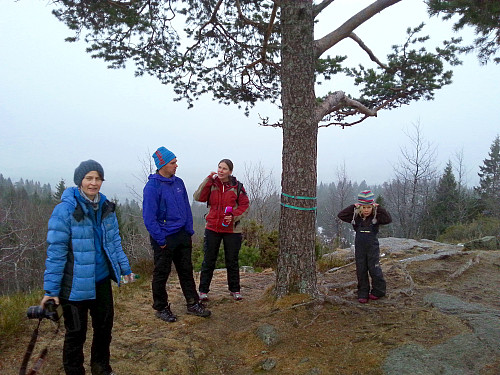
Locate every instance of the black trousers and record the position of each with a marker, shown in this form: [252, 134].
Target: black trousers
[232, 245]
[367, 255]
[178, 250]
[75, 321]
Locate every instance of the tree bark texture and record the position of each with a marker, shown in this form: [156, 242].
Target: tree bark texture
[296, 271]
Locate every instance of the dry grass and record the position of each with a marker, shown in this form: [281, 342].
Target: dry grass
[333, 336]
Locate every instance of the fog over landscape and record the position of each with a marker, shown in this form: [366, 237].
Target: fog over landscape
[58, 107]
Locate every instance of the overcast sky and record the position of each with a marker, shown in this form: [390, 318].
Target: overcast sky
[58, 106]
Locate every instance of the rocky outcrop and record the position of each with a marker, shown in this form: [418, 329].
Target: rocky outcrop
[391, 245]
[400, 246]
[467, 353]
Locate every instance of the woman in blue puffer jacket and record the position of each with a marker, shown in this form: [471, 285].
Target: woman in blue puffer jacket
[84, 254]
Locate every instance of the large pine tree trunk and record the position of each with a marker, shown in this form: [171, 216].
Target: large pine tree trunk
[296, 272]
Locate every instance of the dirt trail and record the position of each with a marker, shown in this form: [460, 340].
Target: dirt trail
[337, 336]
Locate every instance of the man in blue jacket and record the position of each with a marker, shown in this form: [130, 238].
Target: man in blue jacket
[84, 254]
[169, 221]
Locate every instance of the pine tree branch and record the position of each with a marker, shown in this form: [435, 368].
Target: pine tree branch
[365, 48]
[345, 30]
[320, 7]
[269, 30]
[338, 100]
[246, 20]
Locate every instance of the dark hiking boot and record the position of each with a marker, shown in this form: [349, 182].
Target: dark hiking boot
[103, 373]
[98, 369]
[166, 315]
[198, 309]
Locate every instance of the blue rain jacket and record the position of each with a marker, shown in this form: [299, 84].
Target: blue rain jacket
[165, 207]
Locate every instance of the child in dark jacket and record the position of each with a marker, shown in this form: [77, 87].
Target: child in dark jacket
[365, 217]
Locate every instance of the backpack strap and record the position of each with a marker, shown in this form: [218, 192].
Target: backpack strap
[108, 207]
[239, 186]
[238, 191]
[78, 213]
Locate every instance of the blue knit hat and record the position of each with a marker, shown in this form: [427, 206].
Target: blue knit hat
[162, 157]
[366, 197]
[86, 167]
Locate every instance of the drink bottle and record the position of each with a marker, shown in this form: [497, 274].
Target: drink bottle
[228, 211]
[134, 277]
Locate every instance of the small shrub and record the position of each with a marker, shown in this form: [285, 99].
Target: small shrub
[268, 250]
[249, 256]
[481, 227]
[197, 254]
[320, 248]
[259, 249]
[13, 320]
[143, 267]
[328, 262]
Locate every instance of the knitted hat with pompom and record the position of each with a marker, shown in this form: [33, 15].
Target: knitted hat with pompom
[366, 197]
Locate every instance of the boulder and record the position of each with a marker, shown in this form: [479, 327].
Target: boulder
[268, 334]
[485, 243]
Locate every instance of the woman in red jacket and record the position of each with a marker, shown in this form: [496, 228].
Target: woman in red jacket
[223, 193]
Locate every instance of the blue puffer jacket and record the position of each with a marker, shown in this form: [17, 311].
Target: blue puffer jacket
[71, 253]
[165, 207]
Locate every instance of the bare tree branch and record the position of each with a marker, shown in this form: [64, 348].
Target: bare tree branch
[264, 121]
[365, 48]
[262, 191]
[345, 30]
[414, 172]
[344, 124]
[320, 7]
[337, 101]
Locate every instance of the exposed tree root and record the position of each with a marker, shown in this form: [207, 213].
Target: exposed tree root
[465, 267]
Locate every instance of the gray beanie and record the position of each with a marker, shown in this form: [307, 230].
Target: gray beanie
[86, 167]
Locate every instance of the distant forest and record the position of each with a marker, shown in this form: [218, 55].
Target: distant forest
[423, 202]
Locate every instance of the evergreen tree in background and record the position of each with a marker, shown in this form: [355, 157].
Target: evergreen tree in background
[384, 230]
[61, 186]
[443, 208]
[489, 181]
